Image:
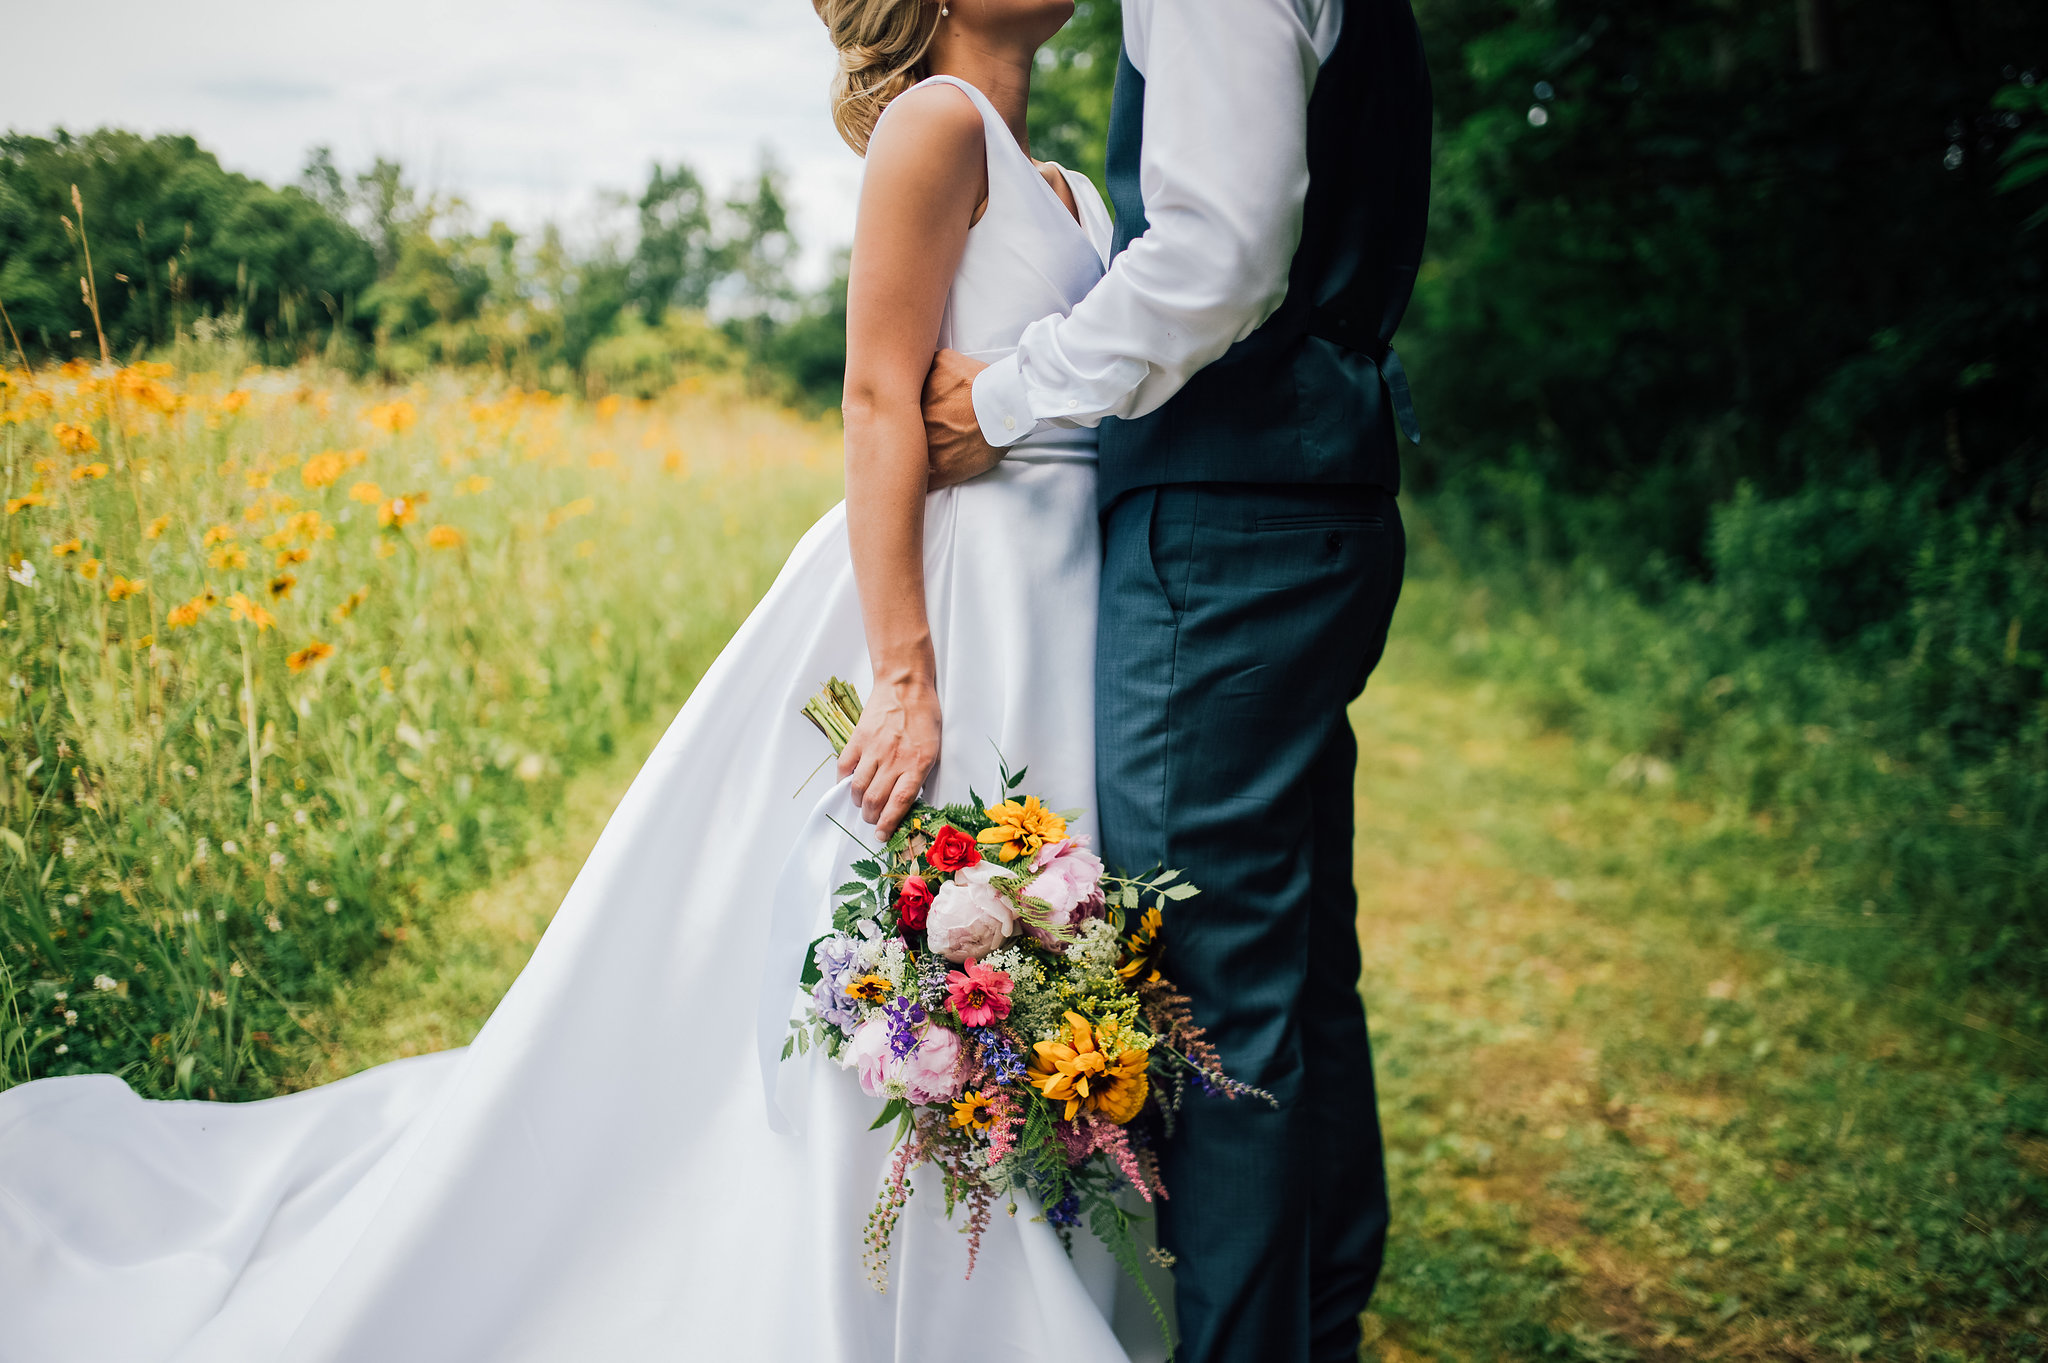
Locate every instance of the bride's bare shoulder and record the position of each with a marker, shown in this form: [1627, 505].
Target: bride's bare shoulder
[929, 148]
[937, 117]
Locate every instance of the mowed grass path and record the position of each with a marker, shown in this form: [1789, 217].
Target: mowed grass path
[1622, 1124]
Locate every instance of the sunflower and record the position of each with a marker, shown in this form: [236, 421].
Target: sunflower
[1141, 950]
[1091, 1071]
[1022, 828]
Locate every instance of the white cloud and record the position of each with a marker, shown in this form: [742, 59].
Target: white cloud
[525, 108]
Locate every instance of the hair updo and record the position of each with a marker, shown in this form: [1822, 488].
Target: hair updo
[882, 46]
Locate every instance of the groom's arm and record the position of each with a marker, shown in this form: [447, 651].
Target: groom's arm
[1223, 172]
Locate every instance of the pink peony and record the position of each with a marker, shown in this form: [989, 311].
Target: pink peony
[980, 996]
[931, 1073]
[1068, 884]
[969, 916]
[870, 1053]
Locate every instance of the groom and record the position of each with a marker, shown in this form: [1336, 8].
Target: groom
[1269, 168]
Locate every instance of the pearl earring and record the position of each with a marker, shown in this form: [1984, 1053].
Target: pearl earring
[944, 10]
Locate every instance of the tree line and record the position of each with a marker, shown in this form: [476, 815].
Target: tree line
[367, 271]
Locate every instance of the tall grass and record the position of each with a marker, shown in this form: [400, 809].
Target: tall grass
[288, 662]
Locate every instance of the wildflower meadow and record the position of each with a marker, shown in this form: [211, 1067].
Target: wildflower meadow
[288, 662]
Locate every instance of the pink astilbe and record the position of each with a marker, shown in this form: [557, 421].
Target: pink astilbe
[888, 1209]
[1004, 1130]
[1088, 1134]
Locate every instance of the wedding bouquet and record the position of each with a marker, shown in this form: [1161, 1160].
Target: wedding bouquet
[989, 978]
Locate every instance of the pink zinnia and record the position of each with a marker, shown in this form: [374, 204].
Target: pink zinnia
[979, 995]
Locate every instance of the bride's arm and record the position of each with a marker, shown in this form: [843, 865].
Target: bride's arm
[926, 174]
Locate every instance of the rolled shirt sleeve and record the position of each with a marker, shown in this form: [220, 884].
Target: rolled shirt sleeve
[1223, 172]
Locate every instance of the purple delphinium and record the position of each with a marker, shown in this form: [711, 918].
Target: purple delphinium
[931, 979]
[905, 1017]
[1004, 1064]
[1067, 1211]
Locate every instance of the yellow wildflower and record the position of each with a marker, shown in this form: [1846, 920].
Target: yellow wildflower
[89, 568]
[228, 558]
[240, 607]
[68, 548]
[281, 586]
[366, 492]
[156, 528]
[291, 556]
[392, 417]
[444, 537]
[85, 472]
[76, 439]
[973, 1111]
[231, 402]
[257, 479]
[323, 469]
[582, 506]
[218, 534]
[386, 548]
[400, 511]
[673, 462]
[351, 602]
[315, 652]
[1022, 828]
[608, 406]
[190, 613]
[121, 588]
[23, 502]
[475, 483]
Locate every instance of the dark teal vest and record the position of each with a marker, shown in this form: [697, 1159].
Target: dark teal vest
[1316, 393]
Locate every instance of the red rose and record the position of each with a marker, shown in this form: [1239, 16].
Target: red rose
[913, 903]
[951, 850]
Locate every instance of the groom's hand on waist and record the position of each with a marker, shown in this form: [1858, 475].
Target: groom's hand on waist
[957, 449]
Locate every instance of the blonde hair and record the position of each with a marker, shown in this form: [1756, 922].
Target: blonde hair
[882, 46]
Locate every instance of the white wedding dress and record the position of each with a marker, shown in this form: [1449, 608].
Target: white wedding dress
[618, 1168]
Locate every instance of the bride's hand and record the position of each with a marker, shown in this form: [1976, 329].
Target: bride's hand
[892, 751]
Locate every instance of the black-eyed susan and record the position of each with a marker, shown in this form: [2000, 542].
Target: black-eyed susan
[870, 988]
[74, 438]
[155, 529]
[89, 568]
[280, 587]
[350, 602]
[228, 558]
[400, 512]
[293, 556]
[191, 612]
[86, 473]
[240, 607]
[314, 652]
[323, 469]
[972, 1112]
[121, 588]
[16, 505]
[217, 534]
[68, 548]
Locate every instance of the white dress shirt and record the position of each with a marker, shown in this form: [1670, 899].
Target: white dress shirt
[1223, 173]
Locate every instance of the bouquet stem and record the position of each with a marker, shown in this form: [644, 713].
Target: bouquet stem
[835, 711]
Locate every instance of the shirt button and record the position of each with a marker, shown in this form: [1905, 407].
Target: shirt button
[1072, 403]
[1009, 423]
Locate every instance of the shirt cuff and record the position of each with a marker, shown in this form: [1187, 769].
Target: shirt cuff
[1000, 403]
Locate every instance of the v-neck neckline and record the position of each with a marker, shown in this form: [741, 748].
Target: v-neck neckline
[989, 111]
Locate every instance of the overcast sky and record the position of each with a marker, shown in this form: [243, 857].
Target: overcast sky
[525, 108]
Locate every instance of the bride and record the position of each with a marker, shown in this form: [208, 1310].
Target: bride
[618, 1167]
